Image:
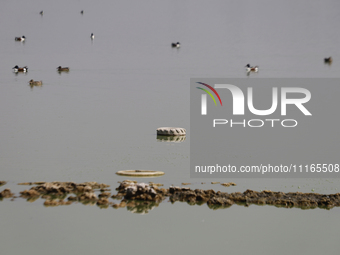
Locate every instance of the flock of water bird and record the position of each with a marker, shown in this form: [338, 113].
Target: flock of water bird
[24, 69]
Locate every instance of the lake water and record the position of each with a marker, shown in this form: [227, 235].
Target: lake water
[102, 116]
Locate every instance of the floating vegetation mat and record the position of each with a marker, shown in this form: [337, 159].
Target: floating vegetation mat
[143, 197]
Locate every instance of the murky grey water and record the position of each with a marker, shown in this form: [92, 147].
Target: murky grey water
[102, 116]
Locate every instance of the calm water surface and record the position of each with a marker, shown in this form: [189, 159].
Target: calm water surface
[102, 117]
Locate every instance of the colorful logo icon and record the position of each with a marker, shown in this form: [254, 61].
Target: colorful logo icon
[204, 97]
[208, 92]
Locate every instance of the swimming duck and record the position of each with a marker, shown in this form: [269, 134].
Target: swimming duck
[35, 83]
[63, 69]
[176, 45]
[82, 12]
[20, 69]
[21, 39]
[249, 68]
[328, 60]
[41, 13]
[92, 36]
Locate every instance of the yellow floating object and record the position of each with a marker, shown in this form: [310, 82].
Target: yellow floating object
[140, 173]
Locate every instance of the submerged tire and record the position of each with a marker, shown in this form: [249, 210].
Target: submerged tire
[173, 131]
[140, 173]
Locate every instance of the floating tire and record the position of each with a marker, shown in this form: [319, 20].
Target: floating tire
[171, 138]
[171, 131]
[140, 173]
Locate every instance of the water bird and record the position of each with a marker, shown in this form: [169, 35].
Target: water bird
[328, 60]
[82, 12]
[92, 36]
[20, 69]
[41, 13]
[35, 83]
[176, 45]
[20, 39]
[249, 68]
[63, 69]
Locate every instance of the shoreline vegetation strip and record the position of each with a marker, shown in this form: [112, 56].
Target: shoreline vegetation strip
[142, 197]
